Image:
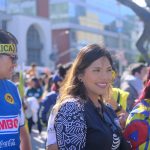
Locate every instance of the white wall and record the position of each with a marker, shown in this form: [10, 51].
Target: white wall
[19, 26]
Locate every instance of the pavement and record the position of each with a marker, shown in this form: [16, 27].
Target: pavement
[38, 141]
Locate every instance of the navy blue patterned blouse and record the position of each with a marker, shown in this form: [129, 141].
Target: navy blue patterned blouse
[79, 126]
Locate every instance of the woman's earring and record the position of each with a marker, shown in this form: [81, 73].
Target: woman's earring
[113, 75]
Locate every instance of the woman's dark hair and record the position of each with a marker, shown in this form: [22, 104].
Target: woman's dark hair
[87, 55]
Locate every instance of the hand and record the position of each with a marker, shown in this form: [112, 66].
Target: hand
[52, 147]
[122, 119]
[25, 143]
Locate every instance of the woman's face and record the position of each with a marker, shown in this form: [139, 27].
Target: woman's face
[97, 78]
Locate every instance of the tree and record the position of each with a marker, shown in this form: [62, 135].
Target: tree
[143, 42]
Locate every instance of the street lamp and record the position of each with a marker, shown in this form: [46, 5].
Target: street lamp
[62, 54]
[73, 50]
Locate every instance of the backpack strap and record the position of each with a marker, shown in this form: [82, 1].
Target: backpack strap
[119, 107]
[118, 98]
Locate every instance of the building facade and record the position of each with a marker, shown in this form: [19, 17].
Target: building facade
[105, 22]
[31, 25]
[53, 31]
[4, 17]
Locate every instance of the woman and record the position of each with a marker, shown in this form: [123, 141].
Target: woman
[83, 121]
[138, 123]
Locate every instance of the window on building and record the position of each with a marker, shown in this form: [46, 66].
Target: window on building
[4, 24]
[34, 46]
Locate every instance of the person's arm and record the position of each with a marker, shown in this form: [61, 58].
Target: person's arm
[25, 139]
[52, 147]
[70, 127]
[122, 119]
[51, 142]
[25, 143]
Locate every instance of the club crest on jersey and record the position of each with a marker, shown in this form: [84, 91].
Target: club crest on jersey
[9, 98]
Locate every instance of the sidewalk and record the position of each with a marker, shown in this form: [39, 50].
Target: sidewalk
[38, 141]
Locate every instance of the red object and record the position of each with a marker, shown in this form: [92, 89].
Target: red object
[136, 132]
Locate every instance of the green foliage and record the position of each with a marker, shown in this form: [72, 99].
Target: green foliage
[140, 58]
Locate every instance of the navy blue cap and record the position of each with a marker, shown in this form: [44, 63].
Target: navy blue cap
[56, 78]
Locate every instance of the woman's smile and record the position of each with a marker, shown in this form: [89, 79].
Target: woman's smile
[102, 85]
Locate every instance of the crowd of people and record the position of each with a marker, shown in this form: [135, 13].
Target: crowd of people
[82, 104]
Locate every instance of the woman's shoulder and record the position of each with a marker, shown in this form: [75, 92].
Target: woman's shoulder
[71, 110]
[72, 104]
